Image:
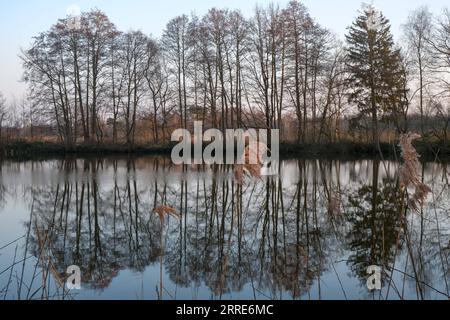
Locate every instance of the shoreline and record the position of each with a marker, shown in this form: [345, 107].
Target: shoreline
[22, 150]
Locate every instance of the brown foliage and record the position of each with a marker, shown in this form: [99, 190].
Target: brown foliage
[253, 162]
[334, 205]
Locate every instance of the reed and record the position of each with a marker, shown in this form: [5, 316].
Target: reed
[164, 211]
[409, 172]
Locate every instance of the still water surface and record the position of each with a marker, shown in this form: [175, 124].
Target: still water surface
[309, 233]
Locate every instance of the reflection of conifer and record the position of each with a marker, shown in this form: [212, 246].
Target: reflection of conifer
[376, 225]
[409, 172]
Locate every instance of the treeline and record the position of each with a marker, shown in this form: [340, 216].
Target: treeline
[279, 69]
[228, 232]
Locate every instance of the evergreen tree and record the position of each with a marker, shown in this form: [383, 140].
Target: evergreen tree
[377, 78]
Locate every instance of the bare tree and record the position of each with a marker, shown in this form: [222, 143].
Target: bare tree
[333, 95]
[158, 83]
[46, 71]
[65, 68]
[117, 78]
[98, 31]
[298, 21]
[175, 46]
[441, 49]
[441, 123]
[277, 69]
[240, 44]
[267, 64]
[418, 31]
[139, 53]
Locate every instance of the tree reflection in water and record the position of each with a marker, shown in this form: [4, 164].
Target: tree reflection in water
[279, 238]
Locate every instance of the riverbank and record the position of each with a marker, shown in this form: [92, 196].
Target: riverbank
[429, 150]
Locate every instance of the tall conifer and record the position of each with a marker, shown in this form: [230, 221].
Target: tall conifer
[375, 67]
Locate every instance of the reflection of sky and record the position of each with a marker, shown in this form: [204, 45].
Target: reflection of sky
[19, 177]
[45, 173]
[142, 286]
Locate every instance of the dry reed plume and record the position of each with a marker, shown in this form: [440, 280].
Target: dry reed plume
[46, 260]
[253, 159]
[335, 205]
[409, 172]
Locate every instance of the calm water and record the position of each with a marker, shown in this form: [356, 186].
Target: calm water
[310, 233]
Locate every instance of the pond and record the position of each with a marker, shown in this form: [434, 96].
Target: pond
[309, 233]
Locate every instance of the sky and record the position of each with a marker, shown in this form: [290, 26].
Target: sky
[20, 20]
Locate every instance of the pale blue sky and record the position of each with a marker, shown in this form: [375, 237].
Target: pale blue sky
[20, 20]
